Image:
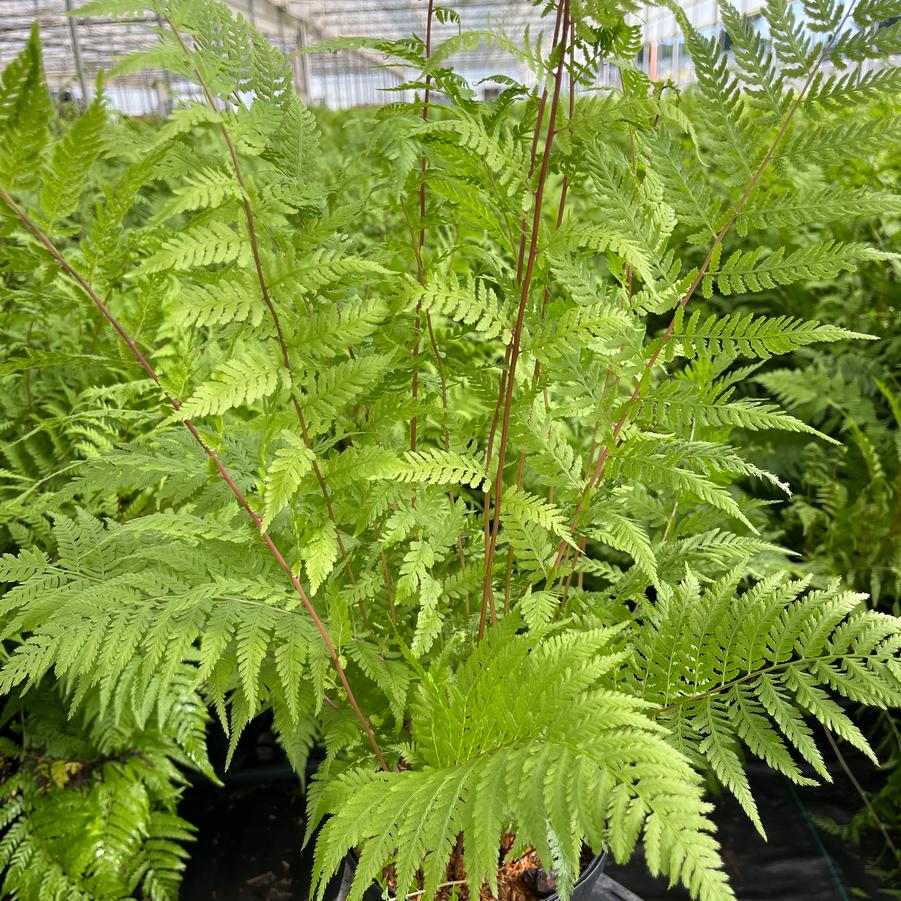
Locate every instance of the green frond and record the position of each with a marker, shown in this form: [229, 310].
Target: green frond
[823, 206]
[744, 272]
[229, 296]
[324, 291]
[71, 162]
[525, 507]
[25, 109]
[650, 462]
[747, 335]
[331, 331]
[184, 120]
[834, 141]
[796, 50]
[471, 303]
[687, 189]
[722, 105]
[852, 87]
[325, 268]
[505, 156]
[437, 467]
[624, 534]
[333, 388]
[286, 471]
[538, 607]
[876, 41]
[242, 380]
[756, 64]
[198, 246]
[774, 655]
[472, 778]
[206, 188]
[868, 11]
[680, 403]
[319, 554]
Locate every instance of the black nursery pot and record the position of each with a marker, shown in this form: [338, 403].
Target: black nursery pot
[592, 885]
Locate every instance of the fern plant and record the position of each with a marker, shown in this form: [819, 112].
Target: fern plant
[439, 460]
[89, 804]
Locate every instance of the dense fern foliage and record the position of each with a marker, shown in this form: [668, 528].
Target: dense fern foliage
[844, 517]
[433, 442]
[89, 802]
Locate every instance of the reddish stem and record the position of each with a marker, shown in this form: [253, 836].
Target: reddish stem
[487, 592]
[536, 371]
[417, 323]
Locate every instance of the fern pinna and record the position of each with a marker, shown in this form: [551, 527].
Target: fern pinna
[432, 447]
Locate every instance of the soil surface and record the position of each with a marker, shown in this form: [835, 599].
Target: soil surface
[518, 879]
[250, 832]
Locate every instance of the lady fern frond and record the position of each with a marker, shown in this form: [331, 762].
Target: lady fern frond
[476, 786]
[765, 660]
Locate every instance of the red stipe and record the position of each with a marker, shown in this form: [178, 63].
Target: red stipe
[487, 593]
[417, 323]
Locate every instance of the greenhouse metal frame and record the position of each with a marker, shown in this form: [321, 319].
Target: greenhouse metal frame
[76, 47]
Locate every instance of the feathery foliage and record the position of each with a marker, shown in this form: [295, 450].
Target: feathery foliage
[391, 442]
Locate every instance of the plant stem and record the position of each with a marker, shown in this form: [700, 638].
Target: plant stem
[487, 592]
[536, 371]
[533, 154]
[224, 474]
[863, 795]
[417, 323]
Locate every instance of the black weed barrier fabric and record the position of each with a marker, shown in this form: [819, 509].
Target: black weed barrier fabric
[799, 861]
[250, 833]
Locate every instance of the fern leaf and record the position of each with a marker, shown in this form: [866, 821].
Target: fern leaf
[25, 111]
[753, 336]
[201, 245]
[238, 382]
[471, 302]
[745, 272]
[338, 385]
[538, 607]
[429, 619]
[286, 471]
[823, 206]
[796, 51]
[624, 534]
[721, 749]
[437, 467]
[233, 296]
[319, 554]
[529, 508]
[71, 163]
[204, 189]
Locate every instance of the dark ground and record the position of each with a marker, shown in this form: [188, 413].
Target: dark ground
[251, 831]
